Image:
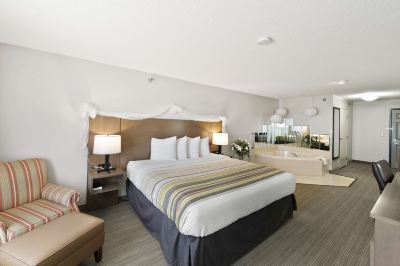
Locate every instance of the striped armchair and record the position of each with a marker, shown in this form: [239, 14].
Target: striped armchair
[27, 200]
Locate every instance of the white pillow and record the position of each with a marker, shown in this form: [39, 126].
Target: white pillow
[181, 148]
[193, 145]
[163, 149]
[204, 147]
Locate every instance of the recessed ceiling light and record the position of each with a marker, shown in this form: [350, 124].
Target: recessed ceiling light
[265, 40]
[369, 97]
[340, 82]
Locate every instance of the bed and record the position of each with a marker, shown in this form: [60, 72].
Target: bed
[212, 229]
[210, 210]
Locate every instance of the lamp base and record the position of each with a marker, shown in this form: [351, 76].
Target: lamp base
[102, 169]
[106, 166]
[219, 149]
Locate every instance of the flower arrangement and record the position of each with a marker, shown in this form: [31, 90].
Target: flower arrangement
[241, 148]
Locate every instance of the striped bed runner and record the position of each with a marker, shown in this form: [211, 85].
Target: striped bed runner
[174, 189]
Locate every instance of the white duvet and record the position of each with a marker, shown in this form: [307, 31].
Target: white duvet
[212, 214]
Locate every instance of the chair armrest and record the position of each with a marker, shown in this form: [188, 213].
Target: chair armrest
[3, 233]
[61, 195]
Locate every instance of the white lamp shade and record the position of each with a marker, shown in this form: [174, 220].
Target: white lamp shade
[276, 119]
[311, 111]
[107, 144]
[281, 111]
[220, 139]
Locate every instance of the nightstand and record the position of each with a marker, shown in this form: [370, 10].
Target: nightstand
[227, 154]
[109, 194]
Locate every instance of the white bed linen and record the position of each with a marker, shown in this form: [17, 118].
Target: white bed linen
[212, 214]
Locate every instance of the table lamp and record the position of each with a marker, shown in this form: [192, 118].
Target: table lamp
[220, 139]
[106, 145]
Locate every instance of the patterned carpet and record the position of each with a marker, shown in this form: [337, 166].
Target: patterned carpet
[331, 227]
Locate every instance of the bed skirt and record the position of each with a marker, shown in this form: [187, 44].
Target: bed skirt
[220, 248]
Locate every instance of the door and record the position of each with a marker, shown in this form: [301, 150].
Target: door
[394, 138]
[344, 122]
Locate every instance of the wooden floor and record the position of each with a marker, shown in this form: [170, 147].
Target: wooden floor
[331, 227]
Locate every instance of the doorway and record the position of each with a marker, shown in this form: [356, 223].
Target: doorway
[394, 138]
[339, 137]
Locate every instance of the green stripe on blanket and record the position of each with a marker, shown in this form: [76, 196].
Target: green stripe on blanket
[175, 188]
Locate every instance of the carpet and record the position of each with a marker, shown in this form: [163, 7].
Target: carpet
[331, 227]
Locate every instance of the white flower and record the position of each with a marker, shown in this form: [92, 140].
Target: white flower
[241, 146]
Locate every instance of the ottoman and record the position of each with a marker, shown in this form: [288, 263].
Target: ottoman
[67, 240]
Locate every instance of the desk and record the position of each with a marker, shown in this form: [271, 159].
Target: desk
[396, 179]
[385, 245]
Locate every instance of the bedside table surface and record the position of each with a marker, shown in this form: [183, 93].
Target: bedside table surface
[94, 175]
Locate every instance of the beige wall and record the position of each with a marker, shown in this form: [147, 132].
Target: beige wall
[371, 129]
[40, 95]
[319, 124]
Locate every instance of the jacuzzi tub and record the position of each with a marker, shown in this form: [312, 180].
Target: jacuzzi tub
[297, 163]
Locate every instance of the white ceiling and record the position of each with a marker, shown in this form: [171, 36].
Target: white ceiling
[215, 42]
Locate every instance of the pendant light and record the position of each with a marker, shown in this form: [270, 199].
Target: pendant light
[276, 119]
[311, 110]
[280, 113]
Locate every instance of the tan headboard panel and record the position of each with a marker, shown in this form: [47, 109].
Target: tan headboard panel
[103, 125]
[136, 134]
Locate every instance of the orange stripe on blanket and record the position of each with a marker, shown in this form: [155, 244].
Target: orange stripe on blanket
[18, 220]
[28, 178]
[58, 211]
[34, 213]
[39, 172]
[11, 179]
[50, 188]
[55, 192]
[10, 235]
[63, 192]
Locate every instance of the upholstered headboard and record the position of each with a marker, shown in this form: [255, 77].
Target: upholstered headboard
[136, 135]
